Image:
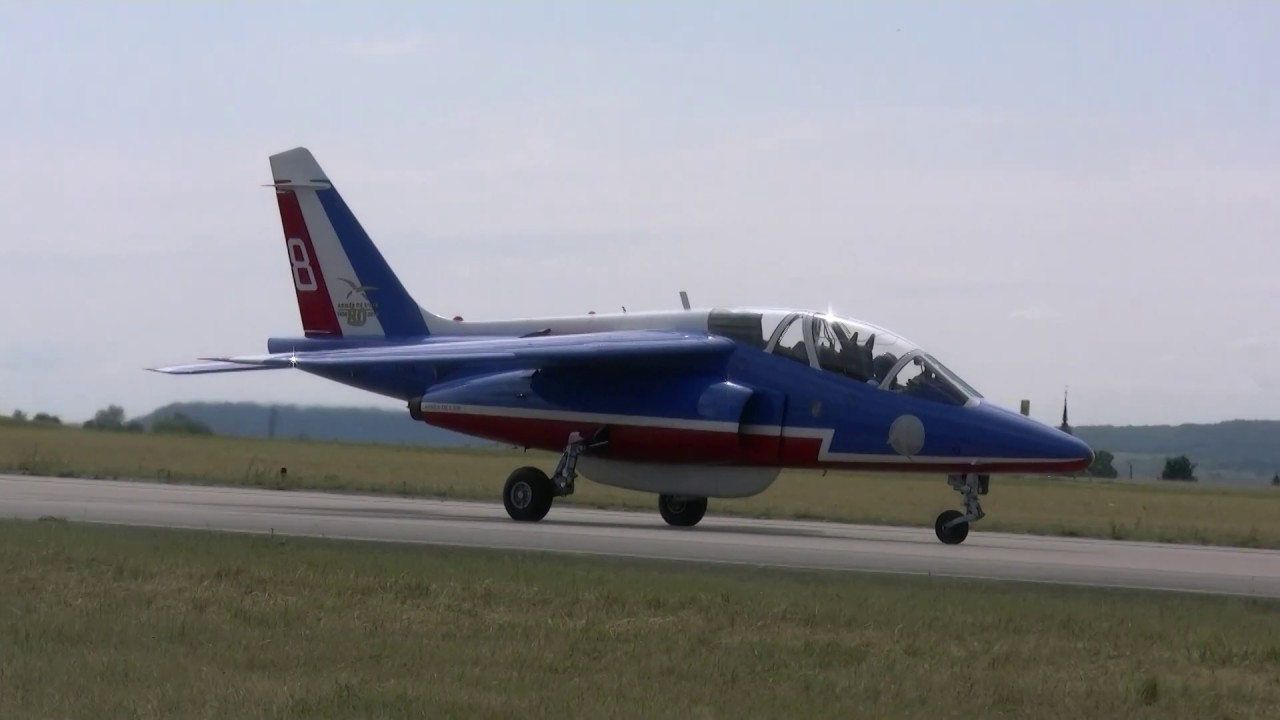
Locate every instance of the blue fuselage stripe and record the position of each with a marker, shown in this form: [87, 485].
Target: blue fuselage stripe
[396, 310]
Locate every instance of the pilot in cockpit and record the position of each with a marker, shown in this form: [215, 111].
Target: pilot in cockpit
[882, 366]
[928, 384]
[853, 359]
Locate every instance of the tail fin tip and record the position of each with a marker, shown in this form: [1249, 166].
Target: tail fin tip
[297, 167]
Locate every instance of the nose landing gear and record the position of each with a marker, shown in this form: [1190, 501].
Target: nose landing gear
[952, 526]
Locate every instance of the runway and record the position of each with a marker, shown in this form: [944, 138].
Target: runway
[793, 544]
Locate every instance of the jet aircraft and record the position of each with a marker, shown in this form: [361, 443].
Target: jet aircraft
[687, 404]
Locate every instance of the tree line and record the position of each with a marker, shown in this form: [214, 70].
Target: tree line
[113, 419]
[1178, 468]
[1243, 446]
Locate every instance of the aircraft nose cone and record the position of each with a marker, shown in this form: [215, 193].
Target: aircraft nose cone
[1077, 449]
[1011, 435]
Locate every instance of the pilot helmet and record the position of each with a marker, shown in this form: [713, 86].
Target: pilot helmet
[882, 364]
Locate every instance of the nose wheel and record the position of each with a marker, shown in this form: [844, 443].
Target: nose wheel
[952, 526]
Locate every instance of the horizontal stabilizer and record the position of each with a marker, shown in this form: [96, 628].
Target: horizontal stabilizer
[534, 351]
[216, 366]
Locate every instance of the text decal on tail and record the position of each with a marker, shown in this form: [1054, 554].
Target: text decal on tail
[318, 316]
[304, 278]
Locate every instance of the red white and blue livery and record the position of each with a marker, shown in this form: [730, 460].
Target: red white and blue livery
[687, 404]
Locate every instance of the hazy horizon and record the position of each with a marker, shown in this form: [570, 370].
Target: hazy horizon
[1042, 195]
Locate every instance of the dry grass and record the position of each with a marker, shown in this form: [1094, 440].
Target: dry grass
[1173, 513]
[113, 622]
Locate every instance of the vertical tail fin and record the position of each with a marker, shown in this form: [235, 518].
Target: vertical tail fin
[345, 288]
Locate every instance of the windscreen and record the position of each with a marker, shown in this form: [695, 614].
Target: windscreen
[872, 354]
[852, 348]
[920, 375]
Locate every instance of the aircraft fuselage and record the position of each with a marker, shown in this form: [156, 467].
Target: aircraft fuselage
[750, 407]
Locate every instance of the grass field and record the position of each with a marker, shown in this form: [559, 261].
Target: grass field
[118, 622]
[1171, 513]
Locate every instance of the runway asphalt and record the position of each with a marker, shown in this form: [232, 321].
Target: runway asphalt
[794, 544]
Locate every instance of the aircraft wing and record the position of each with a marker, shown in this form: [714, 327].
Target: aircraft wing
[535, 351]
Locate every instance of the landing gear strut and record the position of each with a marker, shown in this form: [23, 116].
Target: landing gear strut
[952, 526]
[529, 493]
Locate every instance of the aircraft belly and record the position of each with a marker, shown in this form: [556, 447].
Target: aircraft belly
[690, 480]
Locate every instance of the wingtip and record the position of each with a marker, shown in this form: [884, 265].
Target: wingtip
[167, 369]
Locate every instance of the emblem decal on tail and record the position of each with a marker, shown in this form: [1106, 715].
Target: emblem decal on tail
[362, 290]
[357, 313]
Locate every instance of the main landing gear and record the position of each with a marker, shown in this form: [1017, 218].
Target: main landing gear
[952, 526]
[529, 493]
[680, 511]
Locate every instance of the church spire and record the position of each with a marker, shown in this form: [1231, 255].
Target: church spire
[1065, 427]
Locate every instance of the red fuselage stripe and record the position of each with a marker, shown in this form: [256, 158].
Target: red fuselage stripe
[648, 443]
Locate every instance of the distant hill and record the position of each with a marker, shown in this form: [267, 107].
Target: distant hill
[1233, 450]
[358, 425]
[1239, 451]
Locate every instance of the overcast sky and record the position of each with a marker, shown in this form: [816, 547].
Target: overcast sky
[1040, 194]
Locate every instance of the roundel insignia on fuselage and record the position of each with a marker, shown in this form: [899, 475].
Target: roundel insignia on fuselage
[906, 435]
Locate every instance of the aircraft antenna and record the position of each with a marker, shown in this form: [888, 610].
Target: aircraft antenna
[684, 299]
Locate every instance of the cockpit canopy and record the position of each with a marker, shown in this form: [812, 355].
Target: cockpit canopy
[858, 350]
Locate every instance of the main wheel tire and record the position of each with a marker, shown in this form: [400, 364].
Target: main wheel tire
[681, 511]
[955, 534]
[528, 494]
